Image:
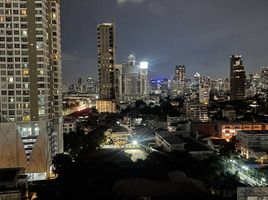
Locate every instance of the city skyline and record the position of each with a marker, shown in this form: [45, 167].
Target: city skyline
[201, 36]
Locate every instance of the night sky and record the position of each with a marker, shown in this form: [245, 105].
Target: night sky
[200, 34]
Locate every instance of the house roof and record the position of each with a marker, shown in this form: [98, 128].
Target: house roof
[9, 176]
[118, 128]
[171, 138]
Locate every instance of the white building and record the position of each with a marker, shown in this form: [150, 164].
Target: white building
[253, 144]
[30, 84]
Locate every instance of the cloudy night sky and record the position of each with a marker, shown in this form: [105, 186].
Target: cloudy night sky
[200, 34]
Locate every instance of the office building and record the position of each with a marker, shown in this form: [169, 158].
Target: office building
[237, 78]
[132, 80]
[31, 89]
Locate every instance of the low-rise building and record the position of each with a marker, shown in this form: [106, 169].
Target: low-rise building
[169, 141]
[253, 144]
[228, 130]
[215, 143]
[178, 124]
[108, 106]
[197, 150]
[197, 111]
[117, 135]
[69, 125]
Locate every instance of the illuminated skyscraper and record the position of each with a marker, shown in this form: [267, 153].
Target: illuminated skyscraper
[204, 89]
[106, 61]
[180, 78]
[31, 77]
[237, 78]
[108, 91]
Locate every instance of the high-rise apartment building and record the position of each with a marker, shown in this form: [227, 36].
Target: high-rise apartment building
[106, 60]
[204, 89]
[106, 64]
[30, 84]
[180, 78]
[237, 78]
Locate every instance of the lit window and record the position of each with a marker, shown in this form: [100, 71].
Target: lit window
[23, 12]
[54, 16]
[11, 79]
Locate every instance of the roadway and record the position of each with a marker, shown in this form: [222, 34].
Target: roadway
[233, 167]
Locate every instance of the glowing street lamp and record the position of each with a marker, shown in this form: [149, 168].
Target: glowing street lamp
[135, 142]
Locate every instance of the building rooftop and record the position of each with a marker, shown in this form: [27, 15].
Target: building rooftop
[193, 145]
[69, 120]
[118, 128]
[171, 138]
[9, 177]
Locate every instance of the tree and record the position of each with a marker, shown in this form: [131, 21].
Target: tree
[140, 104]
[229, 148]
[62, 165]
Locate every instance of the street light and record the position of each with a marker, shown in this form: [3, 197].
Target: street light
[135, 142]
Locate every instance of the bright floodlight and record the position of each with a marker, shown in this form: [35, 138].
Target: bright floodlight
[144, 65]
[135, 142]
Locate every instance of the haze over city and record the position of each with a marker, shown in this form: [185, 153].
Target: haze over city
[198, 34]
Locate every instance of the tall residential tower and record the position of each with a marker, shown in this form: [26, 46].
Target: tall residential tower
[106, 67]
[237, 78]
[30, 84]
[180, 78]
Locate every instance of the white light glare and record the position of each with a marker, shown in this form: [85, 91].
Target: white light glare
[144, 65]
[135, 142]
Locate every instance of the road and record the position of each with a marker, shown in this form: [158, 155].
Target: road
[234, 167]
